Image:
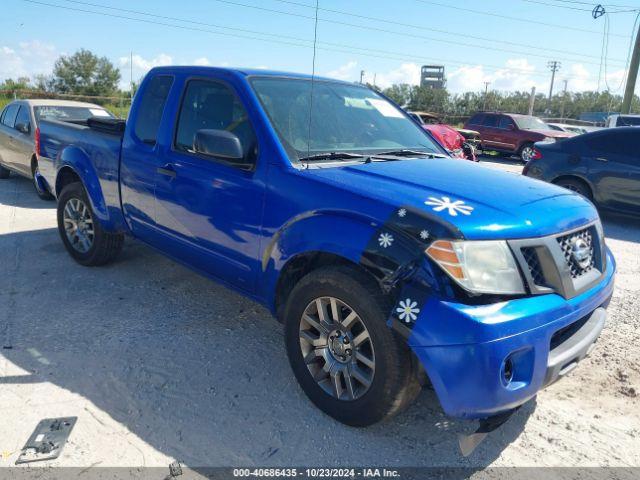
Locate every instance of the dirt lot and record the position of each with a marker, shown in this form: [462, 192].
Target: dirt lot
[160, 364]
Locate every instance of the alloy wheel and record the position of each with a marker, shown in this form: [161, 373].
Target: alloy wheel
[337, 348]
[78, 225]
[527, 154]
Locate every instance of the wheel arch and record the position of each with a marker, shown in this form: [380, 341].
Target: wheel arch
[301, 265]
[576, 178]
[74, 165]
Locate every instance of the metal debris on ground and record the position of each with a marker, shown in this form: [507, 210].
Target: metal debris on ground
[47, 440]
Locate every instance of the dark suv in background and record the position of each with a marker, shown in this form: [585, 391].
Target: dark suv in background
[512, 133]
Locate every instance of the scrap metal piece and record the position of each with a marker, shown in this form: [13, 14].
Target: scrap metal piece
[47, 440]
[468, 443]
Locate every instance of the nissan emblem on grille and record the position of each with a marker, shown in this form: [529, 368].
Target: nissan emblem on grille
[580, 252]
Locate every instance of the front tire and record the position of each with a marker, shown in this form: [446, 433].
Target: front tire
[349, 363]
[83, 236]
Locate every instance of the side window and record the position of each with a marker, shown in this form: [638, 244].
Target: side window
[505, 123]
[616, 143]
[23, 117]
[211, 105]
[476, 120]
[490, 121]
[9, 117]
[150, 108]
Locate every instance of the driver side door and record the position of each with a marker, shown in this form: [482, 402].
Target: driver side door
[209, 211]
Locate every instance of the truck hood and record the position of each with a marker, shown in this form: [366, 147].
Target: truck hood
[482, 203]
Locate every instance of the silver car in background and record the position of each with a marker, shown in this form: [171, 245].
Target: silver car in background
[19, 134]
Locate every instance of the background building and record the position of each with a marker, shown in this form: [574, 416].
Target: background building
[432, 76]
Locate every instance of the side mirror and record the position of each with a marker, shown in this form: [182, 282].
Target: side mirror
[23, 127]
[218, 143]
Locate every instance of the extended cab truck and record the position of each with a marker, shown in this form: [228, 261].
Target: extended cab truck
[387, 261]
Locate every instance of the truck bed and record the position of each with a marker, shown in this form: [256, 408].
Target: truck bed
[95, 147]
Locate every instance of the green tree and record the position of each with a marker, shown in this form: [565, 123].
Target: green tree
[400, 93]
[84, 73]
[22, 83]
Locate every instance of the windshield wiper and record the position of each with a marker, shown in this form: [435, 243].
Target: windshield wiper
[409, 153]
[331, 156]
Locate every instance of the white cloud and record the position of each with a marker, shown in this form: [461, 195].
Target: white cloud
[202, 61]
[345, 72]
[141, 66]
[27, 59]
[405, 73]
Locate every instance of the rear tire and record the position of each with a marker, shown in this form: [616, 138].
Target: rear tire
[83, 236]
[4, 172]
[365, 390]
[575, 186]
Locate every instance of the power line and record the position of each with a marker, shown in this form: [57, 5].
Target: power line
[341, 48]
[401, 34]
[516, 19]
[575, 8]
[431, 29]
[592, 4]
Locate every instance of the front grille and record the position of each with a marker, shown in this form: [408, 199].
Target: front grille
[567, 263]
[567, 242]
[533, 262]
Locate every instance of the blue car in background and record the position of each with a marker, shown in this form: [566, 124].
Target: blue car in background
[603, 166]
[388, 262]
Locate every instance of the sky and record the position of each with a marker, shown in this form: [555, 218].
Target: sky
[505, 42]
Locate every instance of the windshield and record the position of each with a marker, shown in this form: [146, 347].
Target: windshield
[345, 118]
[69, 114]
[531, 123]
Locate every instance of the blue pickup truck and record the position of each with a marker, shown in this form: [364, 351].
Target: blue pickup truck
[389, 263]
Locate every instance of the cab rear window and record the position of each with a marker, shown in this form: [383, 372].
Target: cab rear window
[69, 114]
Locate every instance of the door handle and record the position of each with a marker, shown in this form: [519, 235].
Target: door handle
[167, 171]
[601, 159]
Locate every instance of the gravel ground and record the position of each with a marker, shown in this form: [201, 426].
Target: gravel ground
[160, 364]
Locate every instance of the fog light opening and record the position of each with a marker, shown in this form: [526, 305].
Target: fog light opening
[507, 372]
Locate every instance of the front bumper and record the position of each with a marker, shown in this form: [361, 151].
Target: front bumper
[485, 360]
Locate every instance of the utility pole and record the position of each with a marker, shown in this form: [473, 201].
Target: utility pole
[532, 100]
[486, 89]
[564, 98]
[361, 76]
[554, 65]
[632, 76]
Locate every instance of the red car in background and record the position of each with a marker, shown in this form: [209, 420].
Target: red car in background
[450, 138]
[512, 133]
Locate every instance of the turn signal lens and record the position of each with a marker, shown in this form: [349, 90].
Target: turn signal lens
[478, 266]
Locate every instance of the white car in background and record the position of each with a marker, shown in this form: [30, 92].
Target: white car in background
[19, 133]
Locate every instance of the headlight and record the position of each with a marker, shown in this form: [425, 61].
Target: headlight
[478, 266]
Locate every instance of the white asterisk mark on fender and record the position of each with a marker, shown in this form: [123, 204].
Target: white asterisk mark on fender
[453, 207]
[385, 240]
